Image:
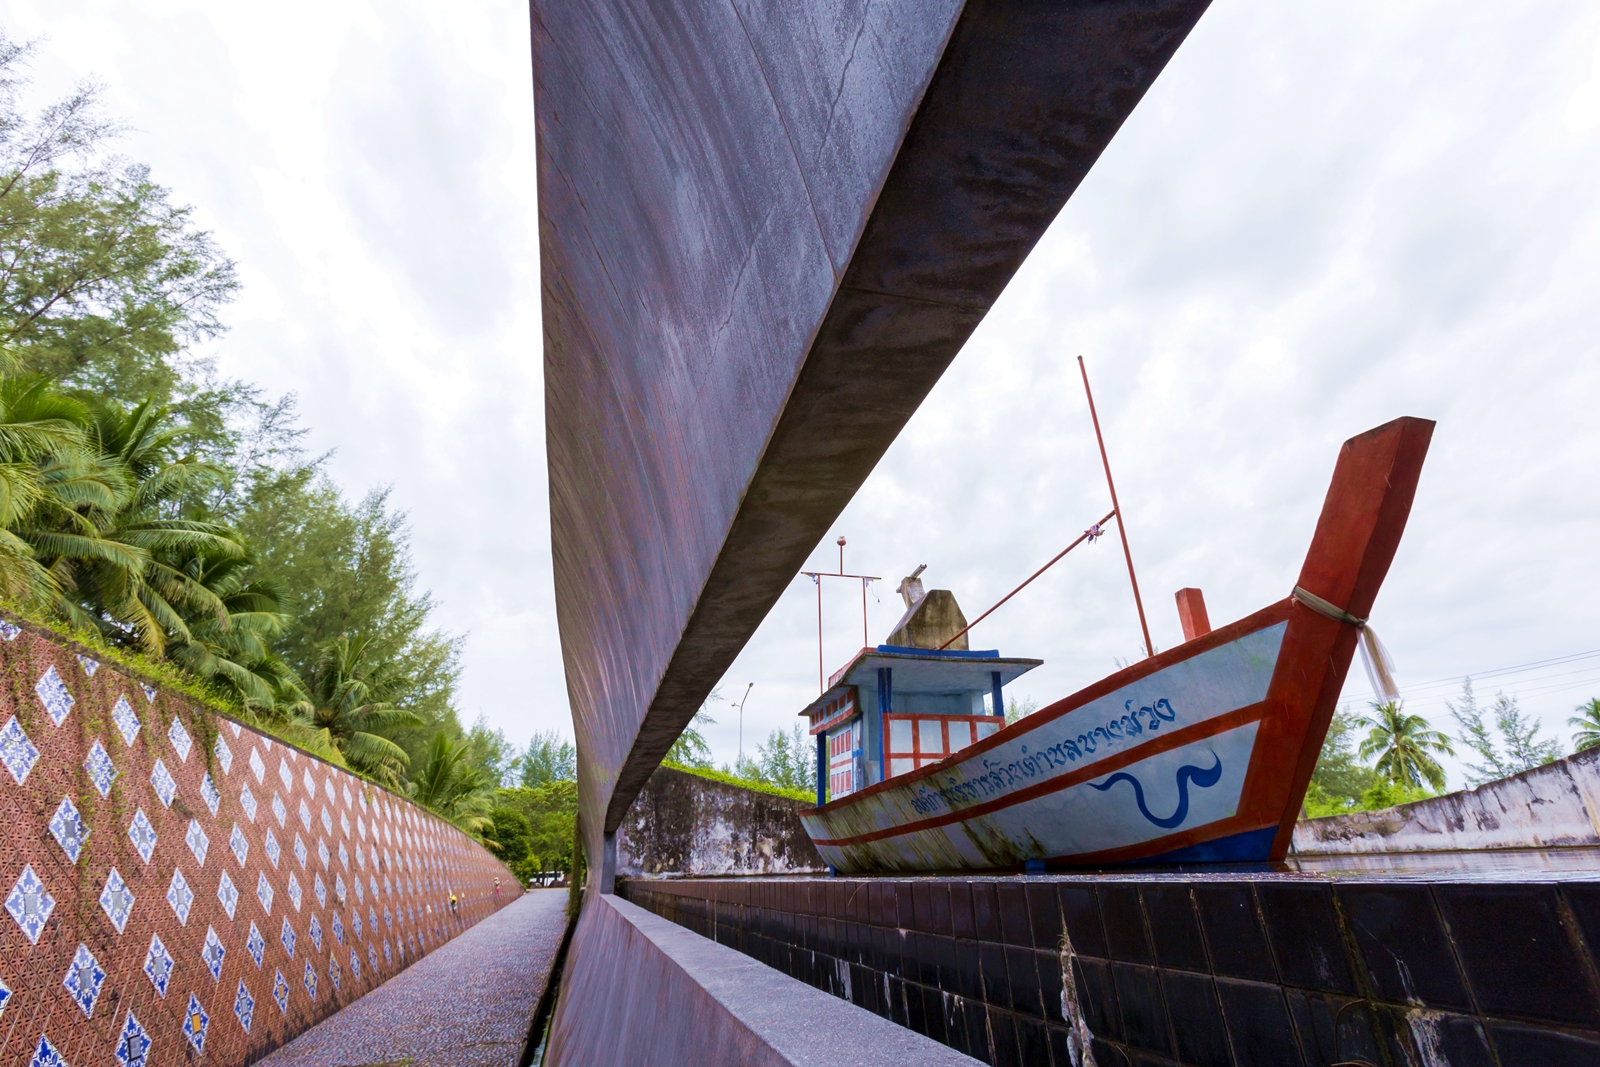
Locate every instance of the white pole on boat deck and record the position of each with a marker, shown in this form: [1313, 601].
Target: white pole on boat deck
[1122, 526]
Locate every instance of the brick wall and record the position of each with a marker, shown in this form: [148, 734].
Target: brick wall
[176, 884]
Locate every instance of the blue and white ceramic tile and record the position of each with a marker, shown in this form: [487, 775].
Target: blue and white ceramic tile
[213, 953]
[355, 924]
[344, 823]
[149, 693]
[181, 741]
[238, 845]
[315, 930]
[161, 780]
[305, 814]
[272, 847]
[355, 966]
[224, 755]
[197, 841]
[338, 927]
[180, 896]
[67, 827]
[208, 792]
[344, 857]
[327, 822]
[255, 944]
[320, 890]
[116, 900]
[310, 980]
[158, 965]
[83, 980]
[286, 776]
[133, 1044]
[334, 972]
[142, 834]
[227, 893]
[89, 665]
[300, 851]
[294, 891]
[258, 768]
[126, 720]
[244, 1006]
[54, 696]
[286, 936]
[372, 958]
[388, 957]
[247, 801]
[279, 812]
[264, 892]
[102, 772]
[280, 993]
[10, 631]
[195, 1024]
[45, 1055]
[16, 751]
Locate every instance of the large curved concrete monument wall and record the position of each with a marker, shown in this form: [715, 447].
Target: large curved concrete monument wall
[766, 227]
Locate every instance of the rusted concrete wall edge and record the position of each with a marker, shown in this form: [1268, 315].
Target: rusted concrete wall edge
[1549, 807]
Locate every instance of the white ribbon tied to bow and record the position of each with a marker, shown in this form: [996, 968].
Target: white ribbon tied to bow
[1374, 657]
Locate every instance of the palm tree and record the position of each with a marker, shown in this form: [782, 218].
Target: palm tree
[451, 786]
[1402, 744]
[111, 522]
[234, 654]
[345, 704]
[1588, 723]
[35, 424]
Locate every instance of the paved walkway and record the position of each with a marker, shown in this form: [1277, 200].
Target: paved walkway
[467, 1004]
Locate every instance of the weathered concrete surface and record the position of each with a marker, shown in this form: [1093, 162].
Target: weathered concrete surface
[639, 990]
[765, 231]
[934, 619]
[1554, 806]
[469, 1004]
[684, 824]
[1248, 967]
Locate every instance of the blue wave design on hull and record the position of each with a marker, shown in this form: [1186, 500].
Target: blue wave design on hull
[1205, 778]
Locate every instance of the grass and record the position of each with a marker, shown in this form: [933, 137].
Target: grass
[744, 783]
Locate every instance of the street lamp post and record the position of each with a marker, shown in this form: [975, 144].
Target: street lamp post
[742, 699]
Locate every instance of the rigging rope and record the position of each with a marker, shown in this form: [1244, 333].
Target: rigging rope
[1380, 668]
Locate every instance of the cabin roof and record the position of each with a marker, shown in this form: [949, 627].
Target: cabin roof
[925, 670]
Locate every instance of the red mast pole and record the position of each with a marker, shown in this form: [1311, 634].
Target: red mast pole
[1122, 526]
[822, 679]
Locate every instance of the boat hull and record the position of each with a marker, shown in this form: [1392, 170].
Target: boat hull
[1199, 754]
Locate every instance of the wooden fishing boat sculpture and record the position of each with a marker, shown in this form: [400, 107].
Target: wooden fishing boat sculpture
[1199, 754]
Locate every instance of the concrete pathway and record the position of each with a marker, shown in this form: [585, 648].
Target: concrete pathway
[467, 1004]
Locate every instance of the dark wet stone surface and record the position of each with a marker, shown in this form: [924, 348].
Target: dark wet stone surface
[467, 1004]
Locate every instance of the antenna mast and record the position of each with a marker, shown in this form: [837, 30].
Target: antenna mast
[1122, 524]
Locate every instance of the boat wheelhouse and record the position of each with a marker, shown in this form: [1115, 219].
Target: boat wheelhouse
[894, 709]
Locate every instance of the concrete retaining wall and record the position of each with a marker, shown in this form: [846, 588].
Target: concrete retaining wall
[178, 885]
[640, 990]
[1214, 968]
[684, 824]
[1554, 806]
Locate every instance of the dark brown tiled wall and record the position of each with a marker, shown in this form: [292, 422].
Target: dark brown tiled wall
[386, 881]
[1243, 971]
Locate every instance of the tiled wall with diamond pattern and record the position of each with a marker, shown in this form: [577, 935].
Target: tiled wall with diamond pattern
[177, 885]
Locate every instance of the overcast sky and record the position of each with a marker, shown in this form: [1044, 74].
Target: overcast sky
[1323, 215]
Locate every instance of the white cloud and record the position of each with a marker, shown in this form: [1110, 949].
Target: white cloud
[1322, 216]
